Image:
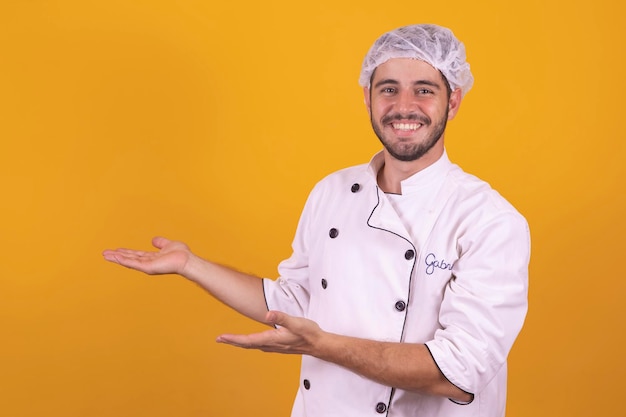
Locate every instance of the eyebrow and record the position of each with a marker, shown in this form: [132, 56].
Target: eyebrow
[415, 83]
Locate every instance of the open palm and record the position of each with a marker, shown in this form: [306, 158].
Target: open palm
[171, 257]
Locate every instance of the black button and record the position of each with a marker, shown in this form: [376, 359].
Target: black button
[324, 283]
[400, 305]
[307, 384]
[355, 188]
[381, 408]
[333, 233]
[408, 255]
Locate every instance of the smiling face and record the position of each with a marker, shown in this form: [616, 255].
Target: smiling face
[409, 105]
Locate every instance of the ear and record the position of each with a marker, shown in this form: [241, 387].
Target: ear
[454, 103]
[366, 95]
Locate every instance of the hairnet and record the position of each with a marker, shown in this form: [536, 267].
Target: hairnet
[433, 44]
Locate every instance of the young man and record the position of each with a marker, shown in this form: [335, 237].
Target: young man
[407, 285]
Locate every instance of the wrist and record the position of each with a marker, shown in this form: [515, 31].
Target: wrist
[191, 269]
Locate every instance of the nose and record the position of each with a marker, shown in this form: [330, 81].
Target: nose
[405, 102]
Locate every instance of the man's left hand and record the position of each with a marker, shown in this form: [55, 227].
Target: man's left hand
[293, 335]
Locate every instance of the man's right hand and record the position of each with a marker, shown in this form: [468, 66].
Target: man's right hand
[171, 258]
[240, 291]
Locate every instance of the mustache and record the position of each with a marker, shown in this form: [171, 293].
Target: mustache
[411, 117]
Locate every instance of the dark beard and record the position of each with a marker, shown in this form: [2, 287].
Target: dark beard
[412, 152]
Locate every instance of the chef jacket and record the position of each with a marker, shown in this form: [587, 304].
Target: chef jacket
[457, 283]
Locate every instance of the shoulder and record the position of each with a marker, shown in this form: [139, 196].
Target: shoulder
[469, 186]
[484, 218]
[478, 199]
[357, 175]
[342, 188]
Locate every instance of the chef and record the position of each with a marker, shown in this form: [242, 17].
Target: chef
[407, 284]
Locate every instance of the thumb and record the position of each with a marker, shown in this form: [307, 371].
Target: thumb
[159, 242]
[277, 318]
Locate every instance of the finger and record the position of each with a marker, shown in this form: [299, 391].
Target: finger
[108, 254]
[277, 318]
[232, 339]
[121, 259]
[114, 255]
[159, 241]
[132, 252]
[252, 341]
[139, 263]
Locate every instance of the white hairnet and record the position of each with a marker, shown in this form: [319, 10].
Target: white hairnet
[433, 44]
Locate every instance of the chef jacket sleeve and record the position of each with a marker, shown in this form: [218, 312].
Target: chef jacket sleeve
[290, 292]
[485, 302]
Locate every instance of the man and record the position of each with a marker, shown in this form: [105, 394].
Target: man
[407, 285]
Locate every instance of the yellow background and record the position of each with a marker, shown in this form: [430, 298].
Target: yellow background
[210, 122]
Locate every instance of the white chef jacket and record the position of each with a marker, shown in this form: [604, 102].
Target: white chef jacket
[457, 283]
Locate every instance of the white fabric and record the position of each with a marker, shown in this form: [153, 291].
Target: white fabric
[465, 291]
[433, 44]
[413, 206]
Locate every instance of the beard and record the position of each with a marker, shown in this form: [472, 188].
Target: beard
[411, 151]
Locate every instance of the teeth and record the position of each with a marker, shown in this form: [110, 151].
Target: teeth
[406, 126]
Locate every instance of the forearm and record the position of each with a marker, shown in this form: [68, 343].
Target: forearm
[406, 366]
[240, 291]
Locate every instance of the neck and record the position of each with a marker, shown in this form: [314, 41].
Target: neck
[393, 172]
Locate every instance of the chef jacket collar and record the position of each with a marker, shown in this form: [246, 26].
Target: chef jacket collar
[427, 177]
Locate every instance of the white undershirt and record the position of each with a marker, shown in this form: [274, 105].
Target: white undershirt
[415, 204]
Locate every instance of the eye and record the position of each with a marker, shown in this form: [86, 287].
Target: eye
[388, 90]
[424, 91]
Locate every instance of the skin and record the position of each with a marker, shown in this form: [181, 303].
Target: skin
[415, 91]
[409, 91]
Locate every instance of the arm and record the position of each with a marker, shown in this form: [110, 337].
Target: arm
[406, 366]
[242, 292]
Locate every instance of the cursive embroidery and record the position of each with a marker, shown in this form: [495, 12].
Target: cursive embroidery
[432, 263]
